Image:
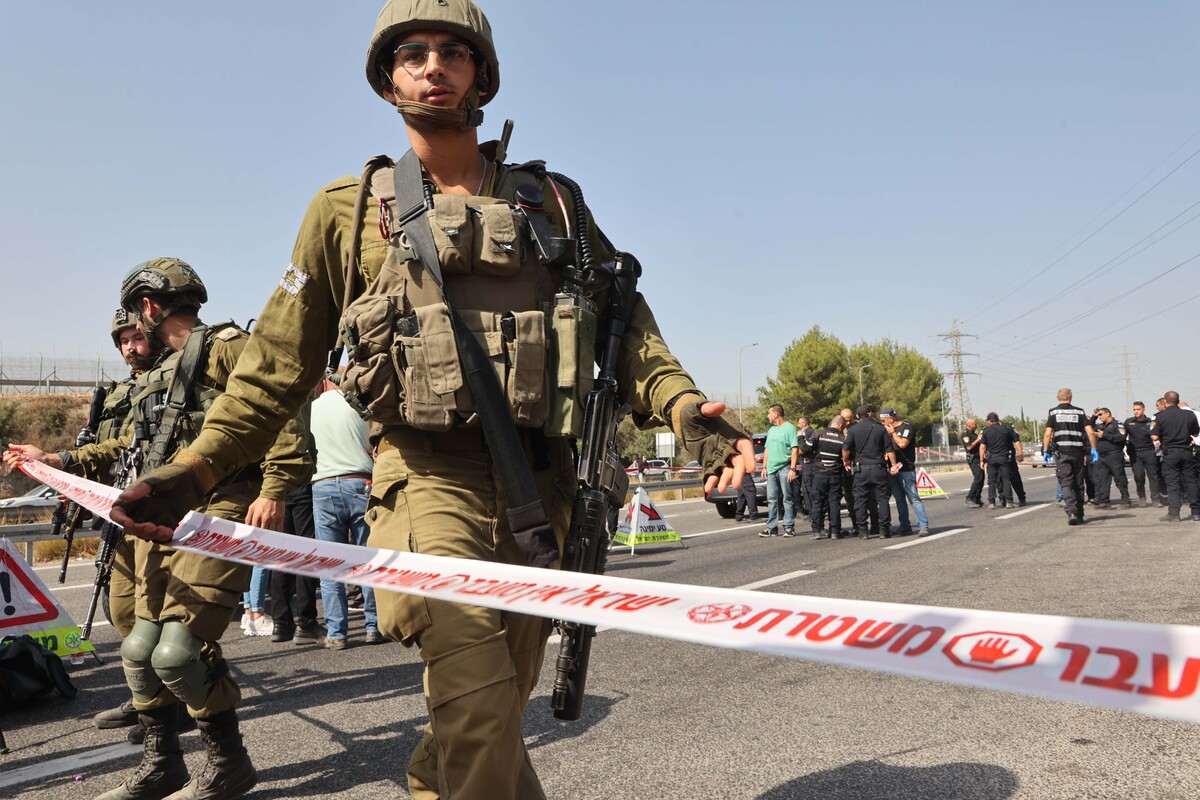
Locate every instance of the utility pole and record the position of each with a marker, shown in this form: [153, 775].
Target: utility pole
[962, 403]
[1128, 380]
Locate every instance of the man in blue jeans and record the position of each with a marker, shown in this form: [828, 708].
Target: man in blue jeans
[341, 486]
[779, 468]
[902, 476]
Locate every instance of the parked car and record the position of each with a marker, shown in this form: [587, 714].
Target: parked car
[690, 468]
[726, 501]
[1037, 459]
[36, 505]
[656, 470]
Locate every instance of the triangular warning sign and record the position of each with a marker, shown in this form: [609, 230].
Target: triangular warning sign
[28, 608]
[642, 523]
[927, 486]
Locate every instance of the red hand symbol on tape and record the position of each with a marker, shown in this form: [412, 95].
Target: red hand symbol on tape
[993, 650]
[989, 651]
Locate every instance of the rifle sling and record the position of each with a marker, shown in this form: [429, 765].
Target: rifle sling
[191, 362]
[526, 514]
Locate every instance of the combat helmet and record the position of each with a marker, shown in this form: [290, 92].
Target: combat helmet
[122, 319]
[169, 278]
[460, 17]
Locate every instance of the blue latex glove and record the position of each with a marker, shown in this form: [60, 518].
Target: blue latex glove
[1095, 456]
[1046, 457]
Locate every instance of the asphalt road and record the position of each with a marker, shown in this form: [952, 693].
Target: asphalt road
[671, 720]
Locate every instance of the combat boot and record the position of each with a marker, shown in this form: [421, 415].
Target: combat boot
[228, 773]
[122, 716]
[162, 770]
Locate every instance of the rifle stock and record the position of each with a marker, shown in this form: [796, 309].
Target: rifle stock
[603, 485]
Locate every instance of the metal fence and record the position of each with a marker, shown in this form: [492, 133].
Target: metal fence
[44, 374]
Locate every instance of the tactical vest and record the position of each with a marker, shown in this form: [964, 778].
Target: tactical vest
[116, 408]
[403, 363]
[152, 390]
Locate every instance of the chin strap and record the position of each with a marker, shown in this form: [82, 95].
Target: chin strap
[469, 116]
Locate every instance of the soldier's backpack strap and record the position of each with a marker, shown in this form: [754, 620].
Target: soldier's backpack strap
[191, 363]
[352, 260]
[526, 515]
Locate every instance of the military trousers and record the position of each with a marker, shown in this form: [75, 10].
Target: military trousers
[441, 494]
[871, 500]
[122, 588]
[1069, 468]
[1111, 469]
[202, 593]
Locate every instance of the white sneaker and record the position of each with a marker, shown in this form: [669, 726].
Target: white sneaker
[245, 620]
[261, 626]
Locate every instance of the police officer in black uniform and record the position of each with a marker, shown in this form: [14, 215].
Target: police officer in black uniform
[864, 453]
[806, 441]
[997, 454]
[1110, 444]
[1014, 472]
[1143, 459]
[847, 476]
[1175, 428]
[972, 437]
[826, 488]
[1068, 428]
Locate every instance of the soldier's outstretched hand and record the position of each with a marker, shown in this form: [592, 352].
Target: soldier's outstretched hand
[725, 453]
[152, 506]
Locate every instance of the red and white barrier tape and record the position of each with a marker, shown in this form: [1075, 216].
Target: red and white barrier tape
[1149, 669]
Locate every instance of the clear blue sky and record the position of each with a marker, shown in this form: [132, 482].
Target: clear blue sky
[879, 169]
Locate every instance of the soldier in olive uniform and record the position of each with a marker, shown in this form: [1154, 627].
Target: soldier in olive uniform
[437, 488]
[135, 348]
[184, 601]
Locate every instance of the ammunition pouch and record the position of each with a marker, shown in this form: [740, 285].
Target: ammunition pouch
[404, 366]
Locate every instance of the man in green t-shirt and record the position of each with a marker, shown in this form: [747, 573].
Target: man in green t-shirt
[779, 469]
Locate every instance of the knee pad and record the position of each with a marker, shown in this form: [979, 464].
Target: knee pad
[179, 666]
[136, 657]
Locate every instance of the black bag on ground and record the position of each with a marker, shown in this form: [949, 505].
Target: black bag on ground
[29, 671]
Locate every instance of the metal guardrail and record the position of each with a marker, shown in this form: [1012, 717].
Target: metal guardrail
[28, 533]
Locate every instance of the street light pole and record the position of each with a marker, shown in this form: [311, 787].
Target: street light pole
[755, 344]
[860, 386]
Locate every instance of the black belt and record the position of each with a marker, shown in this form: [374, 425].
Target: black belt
[349, 476]
[875, 465]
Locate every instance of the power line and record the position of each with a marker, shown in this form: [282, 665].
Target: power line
[1112, 219]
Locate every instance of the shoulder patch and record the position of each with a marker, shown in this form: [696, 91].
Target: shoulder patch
[293, 280]
[229, 333]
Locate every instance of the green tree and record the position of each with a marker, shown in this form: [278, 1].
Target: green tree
[814, 380]
[900, 377]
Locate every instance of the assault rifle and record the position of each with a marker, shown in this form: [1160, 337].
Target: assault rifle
[68, 514]
[112, 534]
[603, 484]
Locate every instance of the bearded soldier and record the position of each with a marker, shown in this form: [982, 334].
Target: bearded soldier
[528, 283]
[184, 602]
[136, 349]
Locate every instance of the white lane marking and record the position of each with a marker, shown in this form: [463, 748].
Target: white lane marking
[926, 540]
[777, 579]
[1040, 477]
[1024, 511]
[68, 764]
[57, 588]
